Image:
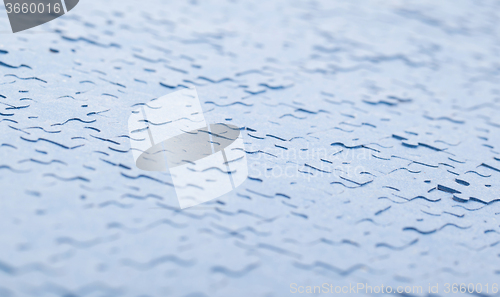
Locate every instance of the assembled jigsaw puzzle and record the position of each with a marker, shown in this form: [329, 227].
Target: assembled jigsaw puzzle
[367, 135]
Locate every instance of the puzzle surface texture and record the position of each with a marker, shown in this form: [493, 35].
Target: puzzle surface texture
[370, 129]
